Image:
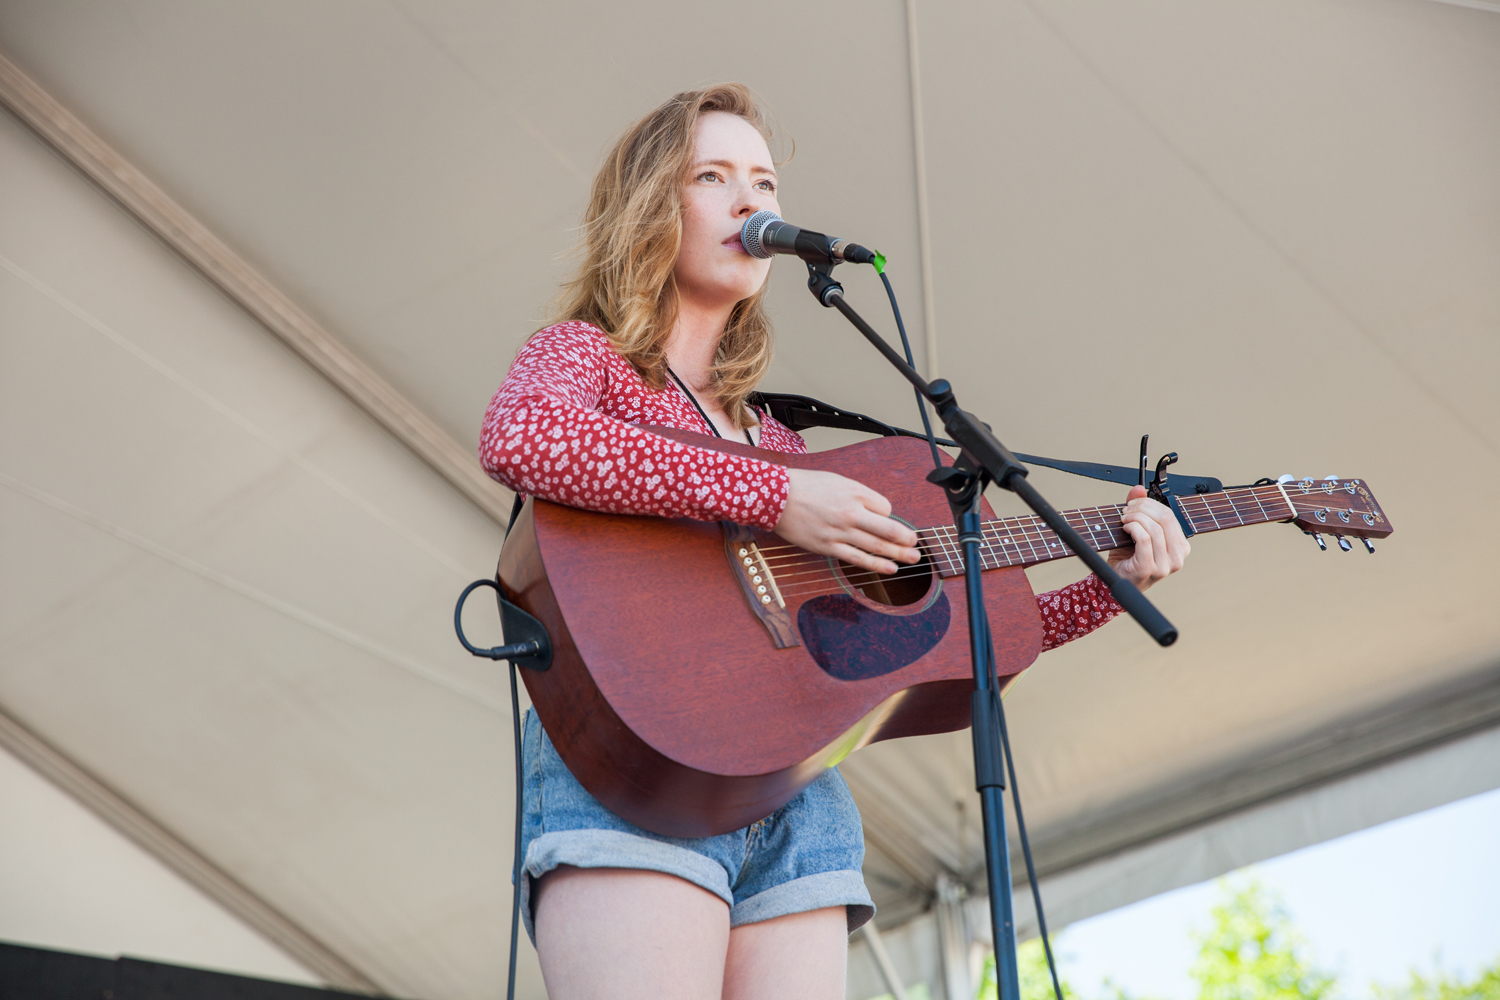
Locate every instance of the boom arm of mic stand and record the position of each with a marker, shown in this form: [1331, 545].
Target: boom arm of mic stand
[986, 452]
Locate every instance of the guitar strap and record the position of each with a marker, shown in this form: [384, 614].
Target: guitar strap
[801, 412]
[515, 512]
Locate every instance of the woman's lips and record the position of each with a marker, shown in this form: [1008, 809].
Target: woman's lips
[735, 243]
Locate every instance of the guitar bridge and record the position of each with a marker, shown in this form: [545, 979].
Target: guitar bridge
[750, 568]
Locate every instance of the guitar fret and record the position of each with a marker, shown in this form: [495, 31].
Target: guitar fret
[1030, 542]
[1210, 509]
[950, 551]
[1259, 505]
[957, 558]
[1002, 545]
[1197, 511]
[941, 551]
[1096, 524]
[1259, 514]
[1210, 512]
[1010, 548]
[938, 550]
[1084, 528]
[1025, 540]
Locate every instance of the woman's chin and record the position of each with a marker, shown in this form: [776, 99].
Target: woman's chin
[722, 290]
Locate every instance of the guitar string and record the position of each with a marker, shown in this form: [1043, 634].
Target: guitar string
[805, 564]
[954, 560]
[1216, 509]
[1016, 536]
[818, 566]
[994, 542]
[1099, 520]
[811, 588]
[1009, 551]
[945, 536]
[1226, 505]
[1197, 508]
[831, 584]
[990, 559]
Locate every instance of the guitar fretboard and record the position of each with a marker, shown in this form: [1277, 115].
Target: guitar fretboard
[1026, 540]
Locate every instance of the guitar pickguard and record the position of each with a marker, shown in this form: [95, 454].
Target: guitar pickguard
[853, 642]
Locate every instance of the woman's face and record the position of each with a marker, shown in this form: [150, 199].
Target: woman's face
[730, 179]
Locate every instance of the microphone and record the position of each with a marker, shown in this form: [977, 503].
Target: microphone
[767, 233]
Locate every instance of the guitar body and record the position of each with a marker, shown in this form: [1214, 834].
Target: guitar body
[670, 698]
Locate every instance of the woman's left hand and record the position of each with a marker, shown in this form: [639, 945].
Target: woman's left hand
[1160, 546]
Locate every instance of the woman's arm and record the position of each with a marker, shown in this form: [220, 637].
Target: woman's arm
[1074, 611]
[544, 436]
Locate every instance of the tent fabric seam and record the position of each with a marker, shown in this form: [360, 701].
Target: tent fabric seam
[231, 274]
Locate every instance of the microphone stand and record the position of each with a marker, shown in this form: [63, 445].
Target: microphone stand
[982, 460]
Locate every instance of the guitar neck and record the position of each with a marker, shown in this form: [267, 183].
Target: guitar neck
[1026, 540]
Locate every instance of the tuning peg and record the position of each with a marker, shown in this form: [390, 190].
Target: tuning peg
[1319, 539]
[1369, 545]
[1330, 479]
[1344, 543]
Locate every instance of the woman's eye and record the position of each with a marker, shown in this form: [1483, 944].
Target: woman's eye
[767, 186]
[709, 176]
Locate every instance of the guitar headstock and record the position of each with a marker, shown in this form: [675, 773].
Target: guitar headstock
[1336, 506]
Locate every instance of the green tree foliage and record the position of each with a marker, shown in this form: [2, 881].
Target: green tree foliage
[1252, 951]
[1442, 985]
[1036, 981]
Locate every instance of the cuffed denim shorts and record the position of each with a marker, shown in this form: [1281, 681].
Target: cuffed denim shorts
[805, 856]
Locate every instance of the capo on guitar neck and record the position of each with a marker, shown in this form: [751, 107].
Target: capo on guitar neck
[1160, 490]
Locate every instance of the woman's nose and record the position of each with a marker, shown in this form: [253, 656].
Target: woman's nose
[751, 200]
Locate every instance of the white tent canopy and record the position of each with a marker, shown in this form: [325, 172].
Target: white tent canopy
[230, 536]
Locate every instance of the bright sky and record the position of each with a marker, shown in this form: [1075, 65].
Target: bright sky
[1371, 905]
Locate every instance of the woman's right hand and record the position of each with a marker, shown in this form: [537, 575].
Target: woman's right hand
[835, 516]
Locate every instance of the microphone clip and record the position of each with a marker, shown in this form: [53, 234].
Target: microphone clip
[821, 283]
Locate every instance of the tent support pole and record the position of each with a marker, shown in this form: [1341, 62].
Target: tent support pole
[882, 957]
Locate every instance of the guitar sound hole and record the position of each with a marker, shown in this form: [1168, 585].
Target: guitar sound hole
[908, 585]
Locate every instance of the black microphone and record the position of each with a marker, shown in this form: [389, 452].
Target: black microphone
[767, 233]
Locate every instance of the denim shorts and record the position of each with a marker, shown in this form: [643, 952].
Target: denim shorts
[805, 856]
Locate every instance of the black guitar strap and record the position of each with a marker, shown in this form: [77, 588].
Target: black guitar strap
[515, 512]
[801, 412]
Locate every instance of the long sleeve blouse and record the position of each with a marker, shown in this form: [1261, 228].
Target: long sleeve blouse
[563, 426]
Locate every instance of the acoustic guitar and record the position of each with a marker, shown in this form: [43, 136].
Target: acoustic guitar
[703, 674]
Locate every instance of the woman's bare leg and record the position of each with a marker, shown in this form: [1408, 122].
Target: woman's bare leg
[622, 933]
[801, 956]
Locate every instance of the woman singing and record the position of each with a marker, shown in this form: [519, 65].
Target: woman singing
[665, 324]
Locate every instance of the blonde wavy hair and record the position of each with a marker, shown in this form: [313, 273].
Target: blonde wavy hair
[631, 236]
